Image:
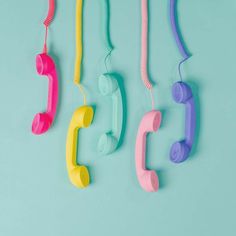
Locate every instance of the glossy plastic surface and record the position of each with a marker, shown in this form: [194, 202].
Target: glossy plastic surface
[78, 41]
[180, 150]
[109, 141]
[148, 179]
[144, 45]
[42, 121]
[78, 175]
[51, 12]
[178, 38]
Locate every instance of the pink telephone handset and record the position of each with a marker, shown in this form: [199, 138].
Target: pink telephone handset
[151, 121]
[46, 66]
[42, 121]
[148, 179]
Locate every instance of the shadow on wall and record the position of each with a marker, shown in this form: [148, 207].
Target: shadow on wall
[196, 93]
[60, 86]
[120, 81]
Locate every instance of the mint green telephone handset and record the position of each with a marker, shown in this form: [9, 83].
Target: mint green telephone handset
[109, 141]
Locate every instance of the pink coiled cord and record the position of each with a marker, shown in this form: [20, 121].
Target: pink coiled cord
[48, 21]
[144, 49]
[50, 15]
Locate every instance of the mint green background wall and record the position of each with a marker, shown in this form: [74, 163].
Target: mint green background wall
[196, 197]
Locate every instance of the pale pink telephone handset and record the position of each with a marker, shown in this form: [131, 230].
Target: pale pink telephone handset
[151, 121]
[46, 66]
[148, 179]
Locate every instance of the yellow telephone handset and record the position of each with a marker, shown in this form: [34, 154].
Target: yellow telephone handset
[78, 174]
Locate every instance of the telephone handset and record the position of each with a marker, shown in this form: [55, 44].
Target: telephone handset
[151, 121]
[78, 175]
[109, 141]
[148, 179]
[46, 66]
[180, 150]
[182, 93]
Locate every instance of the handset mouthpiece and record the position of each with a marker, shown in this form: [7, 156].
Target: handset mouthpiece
[41, 123]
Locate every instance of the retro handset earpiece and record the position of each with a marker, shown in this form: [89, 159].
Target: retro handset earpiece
[78, 175]
[108, 86]
[46, 67]
[148, 179]
[182, 93]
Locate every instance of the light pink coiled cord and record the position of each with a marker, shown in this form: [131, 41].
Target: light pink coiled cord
[144, 49]
[48, 21]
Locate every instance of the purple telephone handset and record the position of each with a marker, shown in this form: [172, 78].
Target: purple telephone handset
[180, 150]
[182, 93]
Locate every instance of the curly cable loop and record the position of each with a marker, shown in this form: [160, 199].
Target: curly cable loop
[177, 35]
[106, 31]
[144, 50]
[79, 47]
[78, 41]
[81, 88]
[48, 21]
[51, 11]
[144, 47]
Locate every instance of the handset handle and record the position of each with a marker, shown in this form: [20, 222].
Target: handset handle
[78, 175]
[148, 179]
[42, 121]
[52, 93]
[109, 141]
[190, 123]
[117, 113]
[180, 150]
